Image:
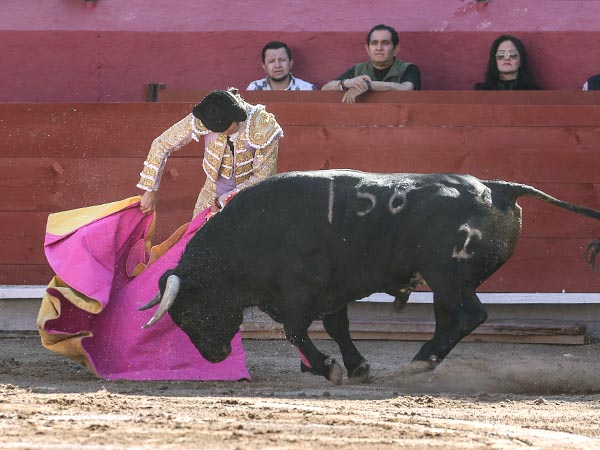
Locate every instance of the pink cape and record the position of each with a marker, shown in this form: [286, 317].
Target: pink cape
[89, 312]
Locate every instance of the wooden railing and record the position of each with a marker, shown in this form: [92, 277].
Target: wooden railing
[63, 156]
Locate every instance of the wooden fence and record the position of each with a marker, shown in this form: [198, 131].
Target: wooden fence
[63, 156]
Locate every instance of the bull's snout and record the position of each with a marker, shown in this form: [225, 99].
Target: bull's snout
[217, 353]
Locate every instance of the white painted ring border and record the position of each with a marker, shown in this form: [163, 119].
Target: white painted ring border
[37, 291]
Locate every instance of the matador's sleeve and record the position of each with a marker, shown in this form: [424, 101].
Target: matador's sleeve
[263, 134]
[171, 140]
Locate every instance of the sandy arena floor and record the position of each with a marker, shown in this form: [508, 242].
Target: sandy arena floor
[484, 396]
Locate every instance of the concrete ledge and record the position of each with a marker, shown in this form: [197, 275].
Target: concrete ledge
[511, 298]
[15, 291]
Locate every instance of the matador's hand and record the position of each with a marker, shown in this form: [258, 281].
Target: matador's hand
[148, 202]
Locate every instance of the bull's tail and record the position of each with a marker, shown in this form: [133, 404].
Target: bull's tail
[512, 191]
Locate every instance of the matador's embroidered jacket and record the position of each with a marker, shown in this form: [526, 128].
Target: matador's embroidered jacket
[253, 159]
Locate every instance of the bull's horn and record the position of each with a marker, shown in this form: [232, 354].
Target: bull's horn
[151, 303]
[171, 290]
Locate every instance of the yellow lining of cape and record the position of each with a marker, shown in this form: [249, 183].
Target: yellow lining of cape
[70, 344]
[65, 222]
[65, 344]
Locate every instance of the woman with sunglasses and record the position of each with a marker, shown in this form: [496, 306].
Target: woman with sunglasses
[508, 68]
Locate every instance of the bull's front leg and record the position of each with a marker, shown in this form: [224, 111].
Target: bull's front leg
[318, 362]
[338, 327]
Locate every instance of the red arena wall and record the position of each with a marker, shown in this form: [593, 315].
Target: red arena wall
[73, 130]
[64, 156]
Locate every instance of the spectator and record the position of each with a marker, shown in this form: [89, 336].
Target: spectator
[383, 71]
[277, 63]
[592, 83]
[508, 68]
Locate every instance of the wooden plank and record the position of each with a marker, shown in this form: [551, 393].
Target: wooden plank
[552, 340]
[479, 115]
[36, 185]
[83, 130]
[89, 130]
[541, 155]
[48, 184]
[457, 143]
[25, 273]
[548, 332]
[445, 139]
[546, 97]
[545, 265]
[409, 155]
[372, 335]
[435, 115]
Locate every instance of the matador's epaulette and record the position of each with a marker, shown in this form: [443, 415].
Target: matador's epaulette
[261, 127]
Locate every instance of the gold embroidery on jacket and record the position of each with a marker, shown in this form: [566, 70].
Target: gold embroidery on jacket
[243, 159]
[169, 141]
[199, 127]
[213, 156]
[263, 128]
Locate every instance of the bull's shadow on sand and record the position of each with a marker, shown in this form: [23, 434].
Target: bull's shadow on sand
[474, 369]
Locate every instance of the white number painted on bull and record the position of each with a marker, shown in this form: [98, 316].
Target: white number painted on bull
[397, 195]
[371, 197]
[366, 196]
[331, 195]
[470, 234]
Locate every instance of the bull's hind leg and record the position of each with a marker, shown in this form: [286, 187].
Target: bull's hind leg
[338, 327]
[457, 313]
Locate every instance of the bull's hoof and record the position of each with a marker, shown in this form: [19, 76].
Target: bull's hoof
[336, 374]
[419, 366]
[400, 300]
[305, 368]
[361, 373]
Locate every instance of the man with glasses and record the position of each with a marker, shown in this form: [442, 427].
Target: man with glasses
[383, 71]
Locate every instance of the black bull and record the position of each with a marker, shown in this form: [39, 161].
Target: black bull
[302, 245]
